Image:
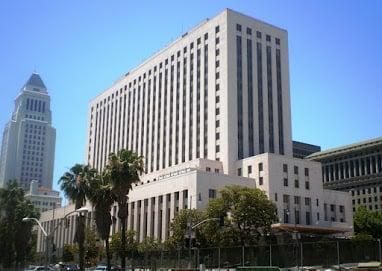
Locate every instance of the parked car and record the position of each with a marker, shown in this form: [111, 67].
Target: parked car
[39, 268]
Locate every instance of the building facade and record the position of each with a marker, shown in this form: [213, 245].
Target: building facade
[302, 150]
[355, 168]
[220, 92]
[28, 146]
[43, 198]
[211, 109]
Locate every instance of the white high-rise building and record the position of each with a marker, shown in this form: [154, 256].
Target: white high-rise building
[209, 110]
[28, 146]
[220, 92]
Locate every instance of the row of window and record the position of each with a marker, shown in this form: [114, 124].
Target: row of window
[285, 169]
[34, 117]
[269, 85]
[369, 200]
[258, 34]
[35, 105]
[136, 118]
[353, 168]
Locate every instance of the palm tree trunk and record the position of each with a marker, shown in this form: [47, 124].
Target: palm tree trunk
[122, 216]
[108, 256]
[81, 241]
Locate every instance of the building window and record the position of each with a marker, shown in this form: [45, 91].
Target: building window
[239, 172]
[285, 181]
[212, 193]
[208, 169]
[258, 34]
[277, 40]
[261, 181]
[268, 37]
[296, 183]
[249, 169]
[238, 27]
[307, 185]
[308, 218]
[217, 29]
[285, 168]
[286, 199]
[260, 166]
[275, 196]
[249, 31]
[296, 170]
[216, 170]
[297, 200]
[307, 172]
[307, 201]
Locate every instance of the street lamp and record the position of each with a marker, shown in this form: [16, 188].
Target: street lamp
[48, 236]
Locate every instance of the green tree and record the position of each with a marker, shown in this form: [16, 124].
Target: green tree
[69, 252]
[250, 214]
[178, 228]
[92, 251]
[367, 222]
[16, 236]
[148, 249]
[131, 248]
[123, 170]
[75, 184]
[102, 198]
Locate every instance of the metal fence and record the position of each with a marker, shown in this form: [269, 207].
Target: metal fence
[297, 254]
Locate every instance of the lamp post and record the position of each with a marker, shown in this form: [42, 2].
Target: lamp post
[49, 235]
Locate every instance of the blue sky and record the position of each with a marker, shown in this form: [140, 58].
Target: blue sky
[81, 47]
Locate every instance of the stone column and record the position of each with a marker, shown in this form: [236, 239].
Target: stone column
[164, 217]
[149, 217]
[142, 233]
[135, 222]
[172, 206]
[181, 200]
[156, 217]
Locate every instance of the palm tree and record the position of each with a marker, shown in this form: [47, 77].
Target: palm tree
[102, 198]
[75, 184]
[123, 170]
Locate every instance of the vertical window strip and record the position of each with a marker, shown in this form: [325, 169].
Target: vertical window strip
[153, 125]
[148, 126]
[171, 114]
[184, 109]
[133, 120]
[251, 150]
[260, 97]
[198, 103]
[270, 100]
[159, 131]
[95, 141]
[205, 151]
[239, 98]
[280, 102]
[165, 118]
[177, 112]
[137, 123]
[128, 130]
[143, 115]
[191, 111]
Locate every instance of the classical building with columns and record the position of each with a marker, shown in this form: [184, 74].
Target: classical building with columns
[355, 168]
[211, 109]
